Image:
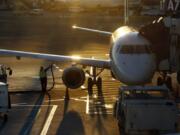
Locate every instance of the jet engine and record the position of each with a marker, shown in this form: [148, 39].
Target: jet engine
[73, 77]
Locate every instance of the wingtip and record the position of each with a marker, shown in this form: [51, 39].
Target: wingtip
[74, 26]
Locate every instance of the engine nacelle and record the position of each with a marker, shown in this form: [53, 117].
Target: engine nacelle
[73, 77]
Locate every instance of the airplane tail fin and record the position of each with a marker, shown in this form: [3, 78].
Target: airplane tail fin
[92, 30]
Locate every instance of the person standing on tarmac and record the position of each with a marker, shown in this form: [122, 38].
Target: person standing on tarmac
[3, 73]
[43, 77]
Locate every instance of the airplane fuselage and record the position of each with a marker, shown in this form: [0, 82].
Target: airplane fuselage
[132, 61]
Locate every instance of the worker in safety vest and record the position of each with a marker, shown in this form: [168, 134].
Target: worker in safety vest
[3, 73]
[43, 77]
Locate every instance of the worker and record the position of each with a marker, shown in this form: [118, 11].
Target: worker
[43, 77]
[3, 73]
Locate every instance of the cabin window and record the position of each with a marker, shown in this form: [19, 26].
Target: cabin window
[135, 49]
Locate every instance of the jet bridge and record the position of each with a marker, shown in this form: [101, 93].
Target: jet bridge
[164, 35]
[172, 63]
[172, 9]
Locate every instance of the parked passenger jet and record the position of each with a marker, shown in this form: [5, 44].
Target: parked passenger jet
[131, 60]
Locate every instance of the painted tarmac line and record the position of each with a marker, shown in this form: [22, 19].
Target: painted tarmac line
[80, 100]
[87, 105]
[54, 100]
[48, 121]
[16, 104]
[21, 105]
[107, 113]
[75, 99]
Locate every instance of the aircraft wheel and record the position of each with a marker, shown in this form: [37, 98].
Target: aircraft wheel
[90, 85]
[160, 81]
[121, 124]
[99, 83]
[169, 82]
[5, 117]
[114, 110]
[176, 127]
[178, 77]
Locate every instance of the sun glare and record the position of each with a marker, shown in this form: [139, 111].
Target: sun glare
[76, 57]
[121, 32]
[74, 26]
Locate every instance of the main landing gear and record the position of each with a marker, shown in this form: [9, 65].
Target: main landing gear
[94, 79]
[165, 79]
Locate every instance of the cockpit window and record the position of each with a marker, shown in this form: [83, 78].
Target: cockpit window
[135, 49]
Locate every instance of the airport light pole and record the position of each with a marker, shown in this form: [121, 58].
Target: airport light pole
[126, 12]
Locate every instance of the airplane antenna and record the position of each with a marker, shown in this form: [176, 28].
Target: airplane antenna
[126, 12]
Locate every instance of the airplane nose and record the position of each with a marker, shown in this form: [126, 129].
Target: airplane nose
[138, 70]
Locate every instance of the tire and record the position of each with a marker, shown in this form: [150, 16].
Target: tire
[9, 101]
[121, 124]
[90, 85]
[5, 117]
[169, 82]
[176, 127]
[160, 81]
[120, 128]
[99, 83]
[114, 110]
[178, 77]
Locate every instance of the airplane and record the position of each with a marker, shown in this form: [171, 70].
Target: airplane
[131, 60]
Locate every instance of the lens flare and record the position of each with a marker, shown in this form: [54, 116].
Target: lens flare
[76, 57]
[74, 26]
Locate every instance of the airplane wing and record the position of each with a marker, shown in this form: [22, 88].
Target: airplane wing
[59, 58]
[92, 30]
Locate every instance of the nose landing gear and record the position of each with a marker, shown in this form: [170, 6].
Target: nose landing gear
[94, 79]
[165, 79]
[178, 77]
